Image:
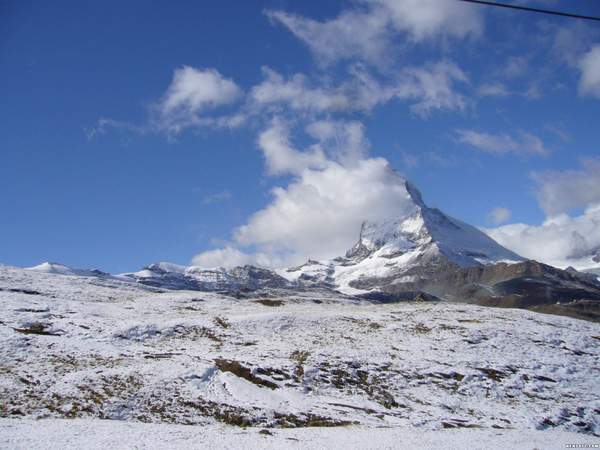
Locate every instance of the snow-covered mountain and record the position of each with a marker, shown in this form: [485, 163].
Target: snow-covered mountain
[404, 249]
[428, 230]
[420, 254]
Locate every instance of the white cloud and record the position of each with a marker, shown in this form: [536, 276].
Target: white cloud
[589, 65]
[429, 87]
[366, 32]
[227, 257]
[515, 67]
[426, 19]
[191, 92]
[560, 131]
[560, 241]
[570, 41]
[336, 140]
[354, 33]
[433, 88]
[500, 144]
[320, 212]
[428, 158]
[409, 160]
[345, 141]
[194, 94]
[189, 101]
[499, 215]
[562, 191]
[297, 93]
[104, 124]
[281, 157]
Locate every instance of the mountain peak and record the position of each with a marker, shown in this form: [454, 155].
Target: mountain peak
[425, 230]
[414, 193]
[61, 269]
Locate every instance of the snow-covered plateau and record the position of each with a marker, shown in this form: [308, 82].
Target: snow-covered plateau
[275, 367]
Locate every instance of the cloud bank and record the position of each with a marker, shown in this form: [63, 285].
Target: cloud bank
[319, 213]
[562, 191]
[367, 32]
[430, 87]
[561, 240]
[191, 93]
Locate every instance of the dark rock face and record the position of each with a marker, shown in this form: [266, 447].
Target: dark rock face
[395, 297]
[237, 279]
[529, 285]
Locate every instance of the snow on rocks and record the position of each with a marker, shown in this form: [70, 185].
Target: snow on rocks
[280, 359]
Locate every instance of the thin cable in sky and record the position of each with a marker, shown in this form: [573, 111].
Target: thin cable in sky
[537, 10]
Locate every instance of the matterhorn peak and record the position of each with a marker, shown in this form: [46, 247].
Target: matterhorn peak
[421, 231]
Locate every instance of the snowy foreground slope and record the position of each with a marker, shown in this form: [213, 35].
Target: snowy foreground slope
[93, 348]
[89, 434]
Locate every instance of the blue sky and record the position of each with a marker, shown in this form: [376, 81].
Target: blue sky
[134, 133]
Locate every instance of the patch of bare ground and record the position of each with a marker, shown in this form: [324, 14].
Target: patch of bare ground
[300, 357]
[372, 382]
[40, 329]
[268, 302]
[236, 368]
[222, 322]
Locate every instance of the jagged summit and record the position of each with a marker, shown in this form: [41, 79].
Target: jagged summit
[405, 249]
[428, 231]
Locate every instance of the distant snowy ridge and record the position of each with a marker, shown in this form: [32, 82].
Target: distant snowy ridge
[172, 276]
[61, 269]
